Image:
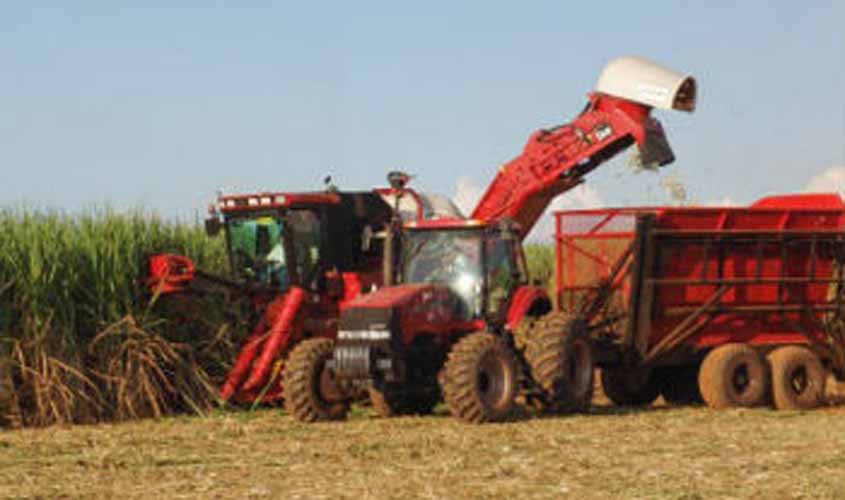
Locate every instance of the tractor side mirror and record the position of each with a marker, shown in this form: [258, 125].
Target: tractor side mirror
[366, 238]
[213, 226]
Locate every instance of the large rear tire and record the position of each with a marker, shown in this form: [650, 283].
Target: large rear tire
[390, 401]
[733, 376]
[630, 386]
[561, 361]
[311, 394]
[480, 378]
[798, 378]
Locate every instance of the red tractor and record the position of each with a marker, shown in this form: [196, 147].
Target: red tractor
[299, 258]
[458, 302]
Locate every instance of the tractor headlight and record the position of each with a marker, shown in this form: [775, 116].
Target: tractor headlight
[363, 334]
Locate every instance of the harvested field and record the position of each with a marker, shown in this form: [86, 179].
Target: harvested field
[659, 452]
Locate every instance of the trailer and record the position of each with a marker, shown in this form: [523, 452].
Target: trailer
[738, 306]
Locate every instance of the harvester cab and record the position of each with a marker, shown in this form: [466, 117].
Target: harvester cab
[459, 299]
[297, 257]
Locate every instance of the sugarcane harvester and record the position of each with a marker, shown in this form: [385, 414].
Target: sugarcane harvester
[458, 297]
[297, 257]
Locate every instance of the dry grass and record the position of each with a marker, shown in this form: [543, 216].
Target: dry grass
[660, 452]
[79, 340]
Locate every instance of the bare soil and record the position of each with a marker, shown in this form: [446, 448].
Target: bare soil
[655, 452]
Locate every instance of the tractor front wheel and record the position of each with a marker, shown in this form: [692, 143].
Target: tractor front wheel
[733, 376]
[798, 378]
[480, 378]
[311, 393]
[561, 362]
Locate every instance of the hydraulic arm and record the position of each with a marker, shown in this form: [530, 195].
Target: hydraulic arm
[618, 115]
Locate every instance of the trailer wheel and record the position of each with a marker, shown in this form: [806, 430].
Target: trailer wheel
[391, 401]
[561, 362]
[311, 394]
[630, 386]
[680, 386]
[798, 378]
[480, 378]
[733, 375]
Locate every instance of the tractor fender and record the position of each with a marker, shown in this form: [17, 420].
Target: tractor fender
[527, 301]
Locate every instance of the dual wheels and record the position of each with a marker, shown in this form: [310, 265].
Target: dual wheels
[481, 377]
[731, 376]
[738, 375]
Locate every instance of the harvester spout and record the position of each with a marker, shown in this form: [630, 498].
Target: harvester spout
[638, 86]
[617, 116]
[642, 81]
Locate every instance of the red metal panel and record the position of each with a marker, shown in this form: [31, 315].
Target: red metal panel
[771, 263]
[554, 161]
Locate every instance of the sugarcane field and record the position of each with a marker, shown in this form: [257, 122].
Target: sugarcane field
[428, 250]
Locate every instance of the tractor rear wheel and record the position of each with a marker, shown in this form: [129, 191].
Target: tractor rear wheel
[630, 386]
[679, 386]
[390, 401]
[798, 378]
[733, 375]
[480, 378]
[561, 362]
[311, 394]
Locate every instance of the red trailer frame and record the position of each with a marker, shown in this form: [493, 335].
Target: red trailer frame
[664, 285]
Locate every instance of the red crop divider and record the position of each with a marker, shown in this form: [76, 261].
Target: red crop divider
[277, 338]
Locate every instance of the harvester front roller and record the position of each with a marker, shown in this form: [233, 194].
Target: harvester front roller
[561, 362]
[734, 376]
[480, 378]
[311, 394]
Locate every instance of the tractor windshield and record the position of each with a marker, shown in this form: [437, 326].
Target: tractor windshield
[257, 249]
[450, 257]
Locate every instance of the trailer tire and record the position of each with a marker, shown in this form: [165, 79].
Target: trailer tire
[679, 386]
[798, 378]
[311, 394]
[480, 378]
[391, 401]
[560, 358]
[733, 376]
[630, 386]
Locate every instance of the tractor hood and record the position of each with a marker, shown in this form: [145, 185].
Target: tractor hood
[401, 308]
[398, 295]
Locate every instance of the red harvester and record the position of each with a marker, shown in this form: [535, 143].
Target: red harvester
[299, 257]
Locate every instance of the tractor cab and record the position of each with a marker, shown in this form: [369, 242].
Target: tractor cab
[480, 264]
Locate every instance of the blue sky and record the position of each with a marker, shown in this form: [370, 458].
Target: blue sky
[158, 106]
